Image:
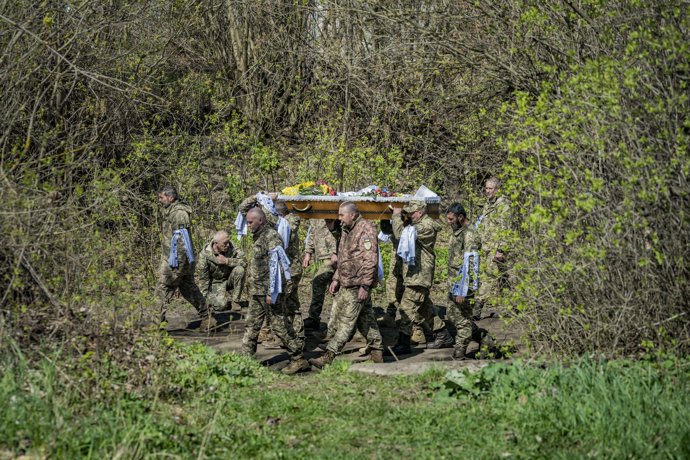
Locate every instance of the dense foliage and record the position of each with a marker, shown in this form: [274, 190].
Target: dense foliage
[580, 106]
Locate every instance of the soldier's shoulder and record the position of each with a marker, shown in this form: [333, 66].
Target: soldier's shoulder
[180, 211]
[470, 238]
[272, 237]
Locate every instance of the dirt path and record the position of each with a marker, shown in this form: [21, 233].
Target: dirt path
[229, 337]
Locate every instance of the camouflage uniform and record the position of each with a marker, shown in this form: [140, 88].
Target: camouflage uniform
[394, 280]
[460, 314]
[357, 266]
[416, 306]
[272, 221]
[216, 280]
[173, 217]
[321, 245]
[495, 219]
[258, 282]
[292, 288]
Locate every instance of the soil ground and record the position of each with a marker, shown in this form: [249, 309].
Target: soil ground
[228, 337]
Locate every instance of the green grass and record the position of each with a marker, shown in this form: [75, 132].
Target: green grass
[190, 402]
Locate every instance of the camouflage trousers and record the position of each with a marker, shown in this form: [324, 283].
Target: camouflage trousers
[217, 296]
[319, 288]
[277, 317]
[460, 314]
[492, 280]
[417, 308]
[171, 280]
[394, 285]
[293, 307]
[354, 314]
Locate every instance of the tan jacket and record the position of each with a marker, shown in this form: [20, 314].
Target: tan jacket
[358, 255]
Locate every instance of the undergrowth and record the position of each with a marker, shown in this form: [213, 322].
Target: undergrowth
[189, 401]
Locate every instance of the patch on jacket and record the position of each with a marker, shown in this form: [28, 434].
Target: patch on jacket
[367, 243]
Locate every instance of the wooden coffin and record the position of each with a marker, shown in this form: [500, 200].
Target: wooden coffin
[371, 208]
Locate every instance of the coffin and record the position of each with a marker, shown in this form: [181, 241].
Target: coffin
[371, 207]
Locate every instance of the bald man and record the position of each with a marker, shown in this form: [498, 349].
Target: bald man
[220, 269]
[266, 245]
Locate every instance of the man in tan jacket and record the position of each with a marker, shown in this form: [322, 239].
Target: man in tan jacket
[355, 276]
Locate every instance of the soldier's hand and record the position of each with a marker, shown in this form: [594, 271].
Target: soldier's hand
[458, 299]
[363, 294]
[307, 260]
[333, 288]
[334, 259]
[222, 260]
[397, 211]
[268, 300]
[273, 195]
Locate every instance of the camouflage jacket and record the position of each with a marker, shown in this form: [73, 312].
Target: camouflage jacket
[209, 271]
[177, 215]
[358, 255]
[265, 239]
[495, 219]
[422, 273]
[461, 241]
[293, 251]
[321, 241]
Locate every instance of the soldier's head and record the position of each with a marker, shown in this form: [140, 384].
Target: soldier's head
[221, 242]
[347, 213]
[167, 195]
[415, 209]
[456, 216]
[493, 184]
[256, 219]
[281, 208]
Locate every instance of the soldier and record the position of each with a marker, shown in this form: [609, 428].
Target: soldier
[265, 201]
[463, 273]
[490, 227]
[177, 262]
[322, 246]
[394, 280]
[355, 276]
[416, 247]
[264, 282]
[292, 302]
[220, 269]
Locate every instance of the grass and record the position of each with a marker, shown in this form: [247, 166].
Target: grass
[190, 402]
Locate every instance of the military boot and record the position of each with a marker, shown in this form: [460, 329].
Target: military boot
[442, 340]
[418, 336]
[459, 353]
[376, 356]
[296, 365]
[321, 361]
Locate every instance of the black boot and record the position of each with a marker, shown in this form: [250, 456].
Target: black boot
[403, 346]
[442, 340]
